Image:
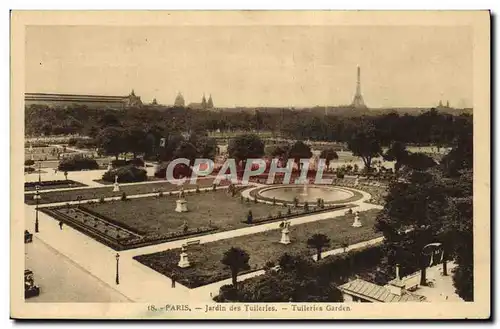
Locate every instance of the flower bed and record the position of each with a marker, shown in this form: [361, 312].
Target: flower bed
[52, 184]
[113, 233]
[296, 212]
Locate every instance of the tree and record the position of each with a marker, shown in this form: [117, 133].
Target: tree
[397, 152]
[411, 219]
[329, 154]
[278, 151]
[206, 146]
[365, 144]
[459, 234]
[135, 139]
[112, 141]
[246, 146]
[318, 242]
[172, 143]
[237, 260]
[419, 161]
[461, 155]
[186, 150]
[298, 151]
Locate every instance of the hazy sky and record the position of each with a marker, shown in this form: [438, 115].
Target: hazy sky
[255, 65]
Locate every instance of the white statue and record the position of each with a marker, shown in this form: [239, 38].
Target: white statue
[116, 186]
[184, 260]
[285, 233]
[357, 222]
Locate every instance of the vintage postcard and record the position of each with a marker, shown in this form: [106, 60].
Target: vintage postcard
[250, 165]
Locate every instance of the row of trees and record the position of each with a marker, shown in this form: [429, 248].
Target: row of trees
[155, 144]
[431, 127]
[433, 205]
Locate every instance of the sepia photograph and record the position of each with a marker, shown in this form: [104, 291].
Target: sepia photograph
[250, 165]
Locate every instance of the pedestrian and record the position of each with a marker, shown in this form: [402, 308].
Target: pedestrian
[61, 225]
[173, 280]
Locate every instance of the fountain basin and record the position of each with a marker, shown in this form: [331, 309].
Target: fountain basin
[287, 194]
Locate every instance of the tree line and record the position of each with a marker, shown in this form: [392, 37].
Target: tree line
[431, 127]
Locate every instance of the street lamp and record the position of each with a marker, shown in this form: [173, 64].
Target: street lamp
[117, 273]
[36, 197]
[40, 172]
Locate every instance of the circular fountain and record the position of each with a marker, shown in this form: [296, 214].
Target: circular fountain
[308, 193]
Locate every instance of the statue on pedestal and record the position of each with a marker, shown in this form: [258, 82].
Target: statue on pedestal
[285, 233]
[184, 260]
[116, 186]
[181, 203]
[357, 222]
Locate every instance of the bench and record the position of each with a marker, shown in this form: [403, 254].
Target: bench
[193, 243]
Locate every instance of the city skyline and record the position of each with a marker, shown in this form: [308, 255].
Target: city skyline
[277, 66]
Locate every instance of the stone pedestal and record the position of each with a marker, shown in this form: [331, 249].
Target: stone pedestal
[184, 260]
[181, 205]
[285, 236]
[357, 222]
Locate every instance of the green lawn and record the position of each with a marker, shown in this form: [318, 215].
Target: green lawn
[157, 215]
[107, 191]
[262, 247]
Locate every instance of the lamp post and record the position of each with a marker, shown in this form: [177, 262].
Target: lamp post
[117, 273]
[37, 199]
[40, 172]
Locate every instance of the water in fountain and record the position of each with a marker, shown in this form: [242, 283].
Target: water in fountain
[305, 192]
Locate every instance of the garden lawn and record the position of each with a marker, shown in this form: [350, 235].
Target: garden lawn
[44, 153]
[156, 214]
[107, 191]
[205, 259]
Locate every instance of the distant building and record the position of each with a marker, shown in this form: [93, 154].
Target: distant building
[179, 100]
[132, 100]
[204, 105]
[90, 101]
[441, 105]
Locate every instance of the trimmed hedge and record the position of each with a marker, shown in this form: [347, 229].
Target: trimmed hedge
[180, 170]
[138, 162]
[118, 163]
[122, 163]
[29, 162]
[127, 174]
[29, 169]
[76, 163]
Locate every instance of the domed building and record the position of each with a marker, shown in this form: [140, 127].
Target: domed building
[179, 100]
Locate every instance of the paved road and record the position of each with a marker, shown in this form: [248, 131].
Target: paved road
[61, 280]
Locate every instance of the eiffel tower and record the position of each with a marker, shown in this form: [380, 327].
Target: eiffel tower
[358, 102]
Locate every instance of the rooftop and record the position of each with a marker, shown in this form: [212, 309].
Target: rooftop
[371, 291]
